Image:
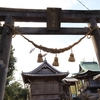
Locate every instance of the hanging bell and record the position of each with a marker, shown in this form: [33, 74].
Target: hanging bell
[55, 63]
[40, 59]
[71, 58]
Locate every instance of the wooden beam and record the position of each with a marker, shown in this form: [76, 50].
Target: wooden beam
[5, 45]
[33, 15]
[44, 31]
[95, 38]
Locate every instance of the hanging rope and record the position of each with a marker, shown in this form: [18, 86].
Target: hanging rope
[52, 50]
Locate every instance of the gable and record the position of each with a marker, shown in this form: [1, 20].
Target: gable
[45, 70]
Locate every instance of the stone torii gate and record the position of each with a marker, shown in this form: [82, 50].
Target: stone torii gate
[53, 17]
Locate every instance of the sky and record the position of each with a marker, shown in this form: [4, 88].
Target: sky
[26, 61]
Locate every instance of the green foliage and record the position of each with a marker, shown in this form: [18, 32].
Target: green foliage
[15, 91]
[80, 85]
[73, 90]
[11, 67]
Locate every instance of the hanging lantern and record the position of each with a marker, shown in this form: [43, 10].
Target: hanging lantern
[55, 63]
[40, 59]
[71, 58]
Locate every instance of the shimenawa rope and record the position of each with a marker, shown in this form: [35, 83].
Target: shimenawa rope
[51, 50]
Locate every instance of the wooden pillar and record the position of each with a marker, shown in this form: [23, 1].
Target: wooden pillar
[5, 45]
[76, 88]
[70, 92]
[95, 38]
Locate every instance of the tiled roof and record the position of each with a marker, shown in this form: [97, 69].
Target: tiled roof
[44, 70]
[87, 69]
[89, 66]
[70, 79]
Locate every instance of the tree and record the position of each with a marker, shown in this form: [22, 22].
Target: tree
[11, 66]
[14, 91]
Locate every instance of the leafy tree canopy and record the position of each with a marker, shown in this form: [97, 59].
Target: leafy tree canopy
[11, 66]
[15, 90]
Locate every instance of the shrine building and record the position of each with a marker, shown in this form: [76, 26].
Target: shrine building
[46, 83]
[87, 71]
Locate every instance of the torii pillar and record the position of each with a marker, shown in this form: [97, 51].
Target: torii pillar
[5, 45]
[95, 38]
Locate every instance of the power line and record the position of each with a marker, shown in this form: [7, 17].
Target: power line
[83, 4]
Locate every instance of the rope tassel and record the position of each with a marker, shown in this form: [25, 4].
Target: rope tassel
[55, 63]
[40, 59]
[71, 58]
